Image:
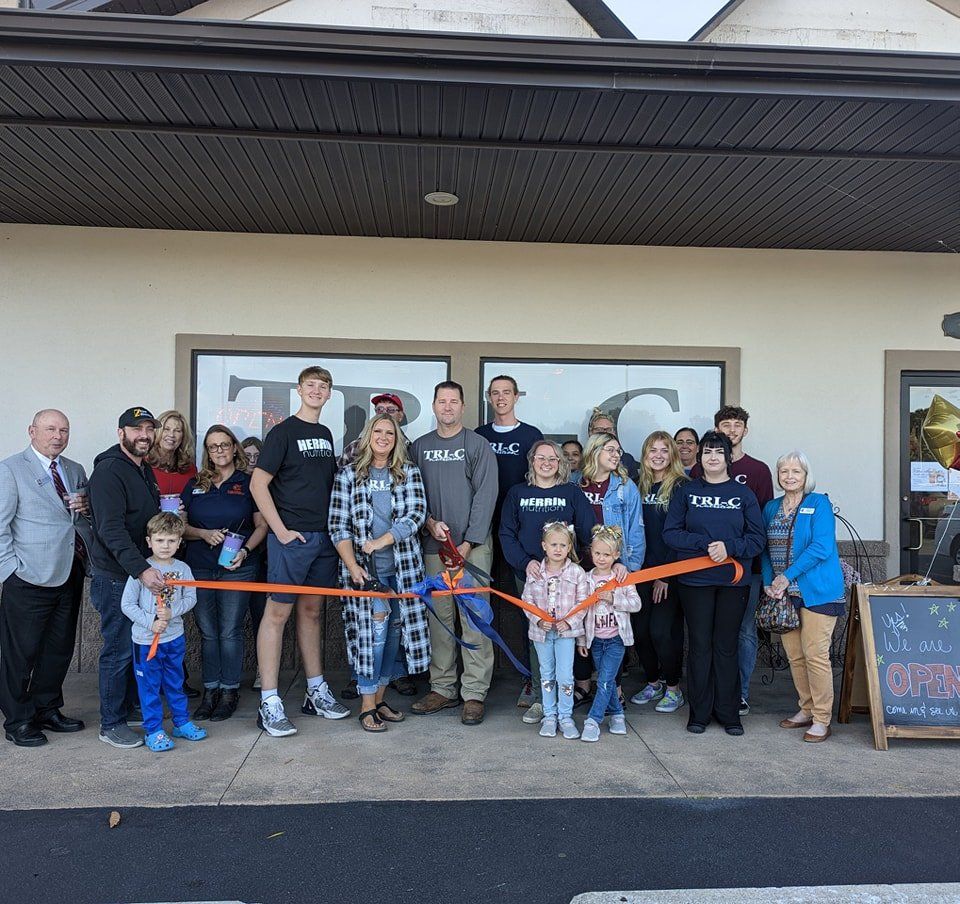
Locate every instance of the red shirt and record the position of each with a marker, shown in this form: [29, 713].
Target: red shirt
[172, 482]
[595, 493]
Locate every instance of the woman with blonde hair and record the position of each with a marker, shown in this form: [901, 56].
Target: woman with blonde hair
[658, 626]
[801, 562]
[377, 509]
[173, 456]
[218, 503]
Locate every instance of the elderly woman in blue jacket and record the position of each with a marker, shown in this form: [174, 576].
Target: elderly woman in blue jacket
[616, 503]
[801, 562]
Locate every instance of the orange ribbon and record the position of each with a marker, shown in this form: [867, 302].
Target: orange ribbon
[645, 575]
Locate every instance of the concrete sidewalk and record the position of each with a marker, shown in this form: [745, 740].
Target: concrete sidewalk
[437, 758]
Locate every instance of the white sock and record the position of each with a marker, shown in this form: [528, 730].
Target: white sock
[266, 695]
[314, 683]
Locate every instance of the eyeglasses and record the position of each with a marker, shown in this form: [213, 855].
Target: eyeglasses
[387, 409]
[613, 450]
[219, 447]
[545, 459]
[686, 442]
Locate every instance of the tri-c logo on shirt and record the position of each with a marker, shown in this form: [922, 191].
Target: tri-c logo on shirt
[444, 454]
[379, 486]
[715, 502]
[505, 448]
[315, 448]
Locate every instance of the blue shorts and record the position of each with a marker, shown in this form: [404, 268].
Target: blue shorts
[313, 564]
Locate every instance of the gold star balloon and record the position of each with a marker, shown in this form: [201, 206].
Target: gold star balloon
[941, 432]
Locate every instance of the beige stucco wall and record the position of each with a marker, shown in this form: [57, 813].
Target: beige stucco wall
[813, 326]
[868, 24]
[507, 17]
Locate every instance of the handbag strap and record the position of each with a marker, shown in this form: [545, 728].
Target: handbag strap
[793, 521]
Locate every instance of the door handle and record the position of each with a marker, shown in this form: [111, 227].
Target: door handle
[920, 544]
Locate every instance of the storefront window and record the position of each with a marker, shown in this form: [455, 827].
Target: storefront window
[250, 393]
[558, 396]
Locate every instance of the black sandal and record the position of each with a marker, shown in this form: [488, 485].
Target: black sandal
[375, 718]
[390, 714]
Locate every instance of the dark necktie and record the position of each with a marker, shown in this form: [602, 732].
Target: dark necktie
[79, 549]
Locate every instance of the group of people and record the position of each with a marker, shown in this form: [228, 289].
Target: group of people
[561, 526]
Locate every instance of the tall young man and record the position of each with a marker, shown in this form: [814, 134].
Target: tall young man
[510, 440]
[731, 421]
[291, 486]
[460, 476]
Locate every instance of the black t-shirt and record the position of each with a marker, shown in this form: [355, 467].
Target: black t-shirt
[658, 553]
[300, 457]
[511, 448]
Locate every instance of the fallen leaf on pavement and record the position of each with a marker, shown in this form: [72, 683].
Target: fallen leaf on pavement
[275, 835]
[114, 819]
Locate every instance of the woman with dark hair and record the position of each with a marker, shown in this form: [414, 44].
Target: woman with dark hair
[252, 446]
[173, 456]
[687, 441]
[658, 626]
[377, 509]
[218, 504]
[713, 515]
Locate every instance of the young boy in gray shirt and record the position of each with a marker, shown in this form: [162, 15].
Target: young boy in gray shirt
[150, 618]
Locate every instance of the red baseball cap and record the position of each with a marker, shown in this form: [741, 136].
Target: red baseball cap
[387, 397]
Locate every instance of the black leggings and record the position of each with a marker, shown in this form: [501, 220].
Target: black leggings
[713, 616]
[658, 634]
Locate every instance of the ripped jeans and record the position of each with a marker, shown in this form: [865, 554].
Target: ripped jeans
[556, 674]
[386, 643]
[607, 656]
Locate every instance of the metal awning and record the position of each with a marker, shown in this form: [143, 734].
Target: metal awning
[157, 123]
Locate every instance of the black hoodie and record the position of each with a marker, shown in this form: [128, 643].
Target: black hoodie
[123, 498]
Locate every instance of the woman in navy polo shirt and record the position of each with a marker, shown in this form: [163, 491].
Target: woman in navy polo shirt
[218, 501]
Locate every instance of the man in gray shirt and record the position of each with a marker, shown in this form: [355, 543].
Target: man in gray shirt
[460, 476]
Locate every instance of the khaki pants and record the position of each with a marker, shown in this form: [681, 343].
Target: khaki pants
[808, 649]
[478, 663]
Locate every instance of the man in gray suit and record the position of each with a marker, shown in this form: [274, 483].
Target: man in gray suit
[43, 520]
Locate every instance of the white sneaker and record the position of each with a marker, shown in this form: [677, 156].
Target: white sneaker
[273, 720]
[591, 731]
[321, 702]
[548, 727]
[618, 724]
[533, 714]
[569, 729]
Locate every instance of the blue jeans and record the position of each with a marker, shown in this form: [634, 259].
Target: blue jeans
[747, 644]
[118, 690]
[163, 672]
[386, 642]
[220, 615]
[556, 674]
[607, 656]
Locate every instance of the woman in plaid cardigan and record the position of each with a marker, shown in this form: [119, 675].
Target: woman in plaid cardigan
[377, 508]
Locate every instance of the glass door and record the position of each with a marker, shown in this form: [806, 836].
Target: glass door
[929, 493]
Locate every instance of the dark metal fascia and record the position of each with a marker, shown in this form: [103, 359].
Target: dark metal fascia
[159, 43]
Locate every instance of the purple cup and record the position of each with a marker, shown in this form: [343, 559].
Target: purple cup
[231, 546]
[170, 503]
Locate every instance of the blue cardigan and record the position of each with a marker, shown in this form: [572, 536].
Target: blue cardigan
[814, 560]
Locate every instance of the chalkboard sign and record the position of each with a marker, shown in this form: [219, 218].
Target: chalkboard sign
[911, 647]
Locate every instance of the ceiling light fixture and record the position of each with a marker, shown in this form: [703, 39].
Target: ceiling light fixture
[441, 198]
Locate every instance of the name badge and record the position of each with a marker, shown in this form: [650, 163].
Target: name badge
[198, 492]
[807, 511]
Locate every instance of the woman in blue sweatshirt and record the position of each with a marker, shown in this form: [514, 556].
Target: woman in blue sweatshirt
[801, 561]
[714, 515]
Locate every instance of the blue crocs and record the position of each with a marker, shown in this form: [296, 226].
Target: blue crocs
[158, 741]
[189, 731]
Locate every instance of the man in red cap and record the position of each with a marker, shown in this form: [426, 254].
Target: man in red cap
[385, 403]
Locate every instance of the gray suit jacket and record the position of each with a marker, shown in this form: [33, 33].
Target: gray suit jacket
[36, 530]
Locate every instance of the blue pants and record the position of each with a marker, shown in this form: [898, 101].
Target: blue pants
[164, 671]
[118, 692]
[220, 615]
[748, 642]
[607, 656]
[556, 673]
[386, 643]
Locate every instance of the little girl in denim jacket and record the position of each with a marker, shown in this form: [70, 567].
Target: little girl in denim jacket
[561, 585]
[607, 631]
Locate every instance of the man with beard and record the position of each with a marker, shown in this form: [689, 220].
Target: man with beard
[123, 498]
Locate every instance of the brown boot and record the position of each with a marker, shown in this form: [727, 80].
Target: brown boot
[432, 703]
[472, 712]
